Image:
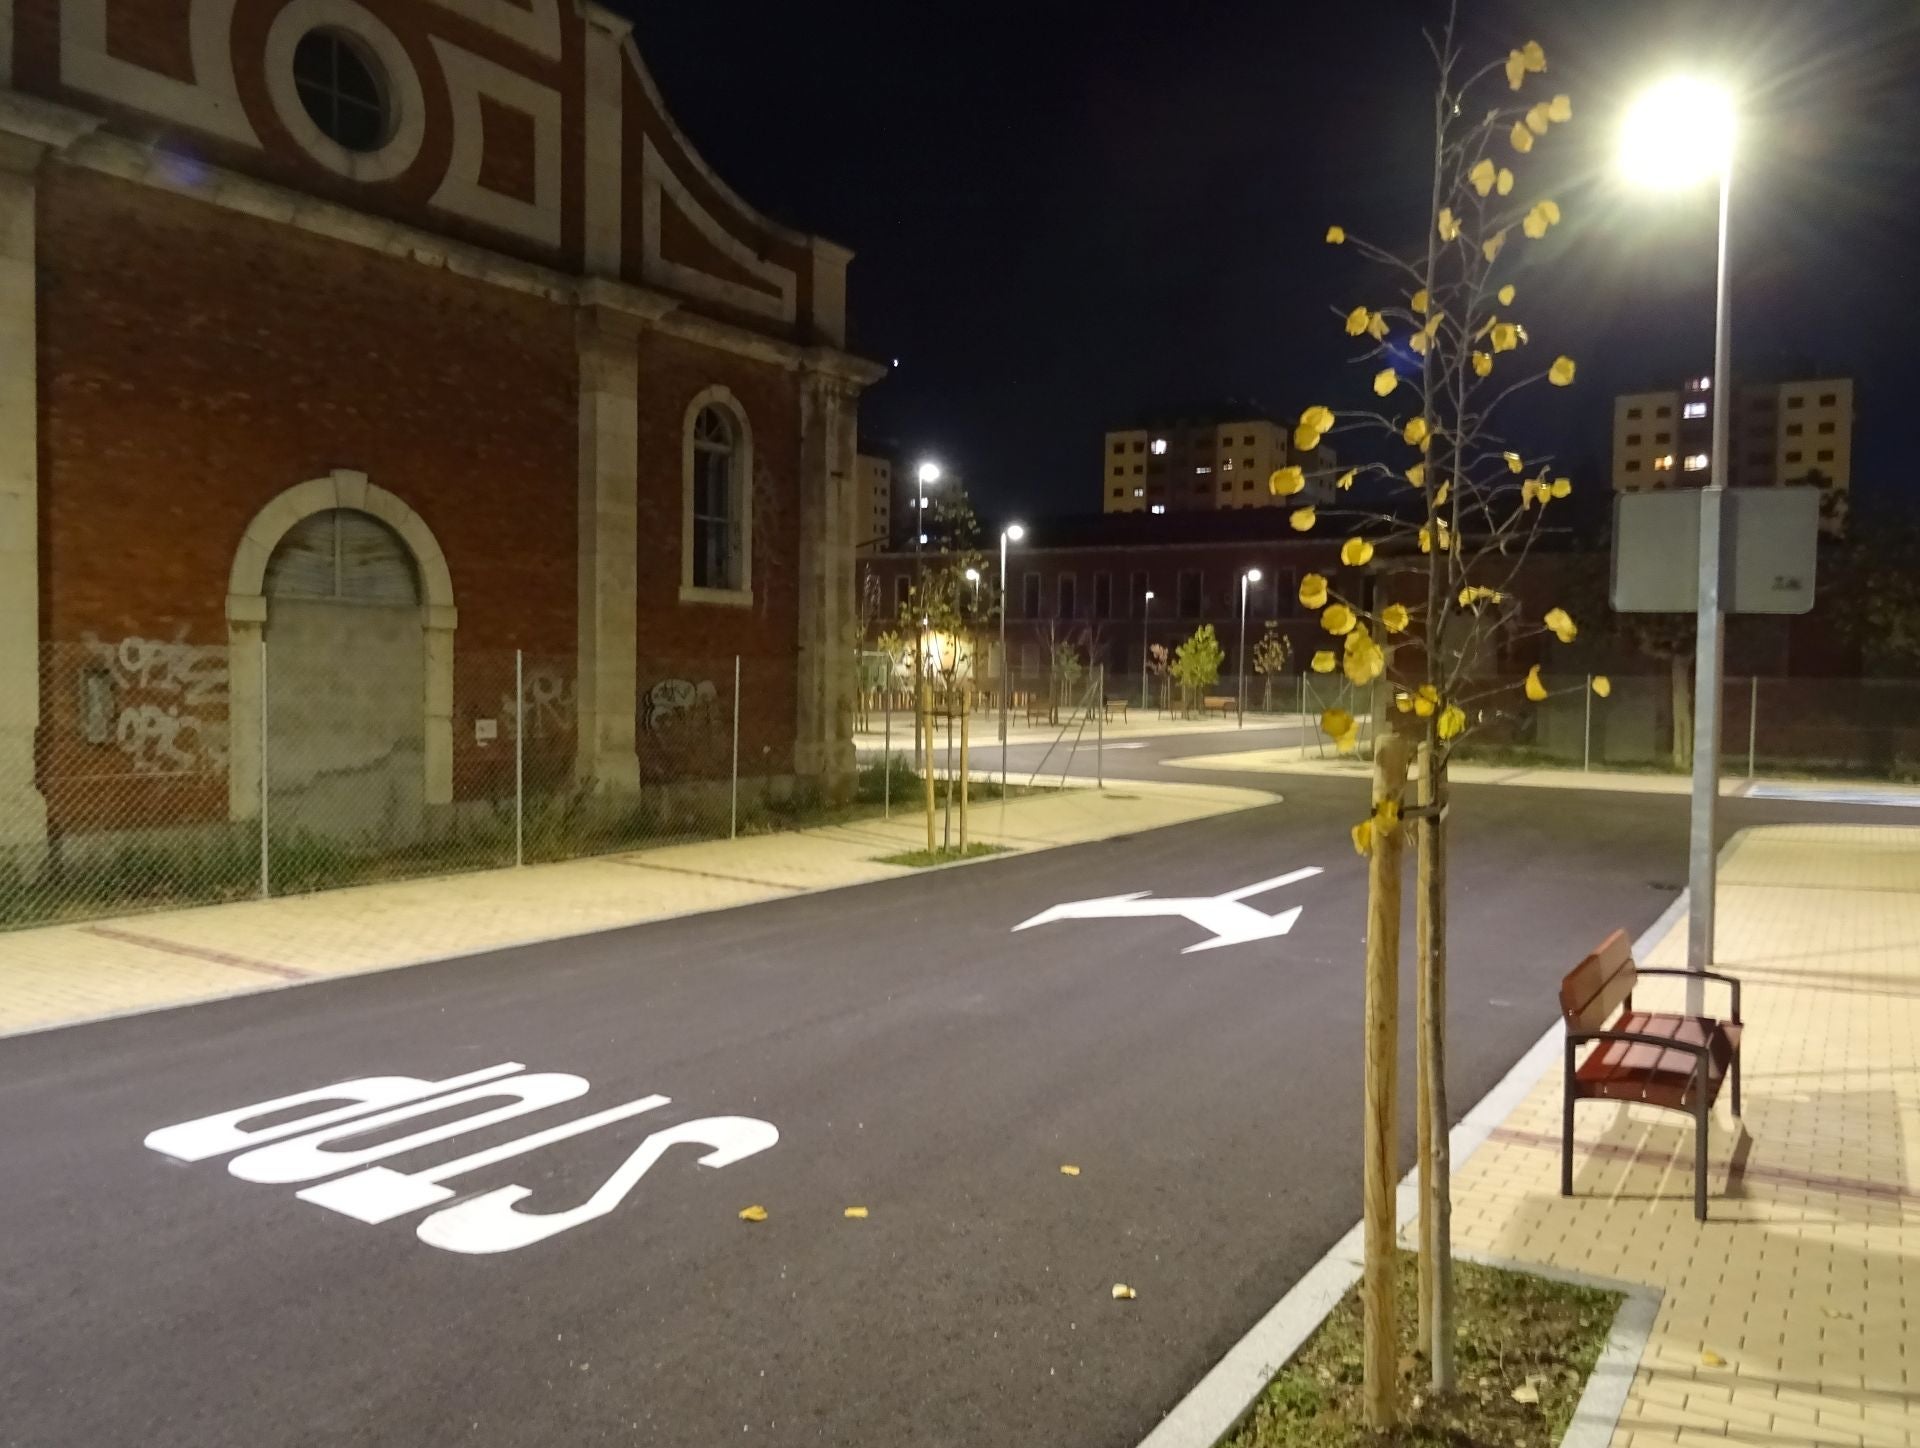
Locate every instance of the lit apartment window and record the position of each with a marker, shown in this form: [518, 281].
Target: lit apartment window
[1159, 507]
[1700, 384]
[1663, 464]
[1203, 471]
[1694, 409]
[1139, 492]
[1159, 447]
[1696, 462]
[1226, 465]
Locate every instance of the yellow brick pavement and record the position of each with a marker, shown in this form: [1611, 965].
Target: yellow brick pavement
[1793, 1317]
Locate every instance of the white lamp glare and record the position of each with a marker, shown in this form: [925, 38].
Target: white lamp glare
[1253, 575]
[929, 472]
[1015, 532]
[1678, 133]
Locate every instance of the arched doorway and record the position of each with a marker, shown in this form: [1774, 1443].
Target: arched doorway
[346, 681]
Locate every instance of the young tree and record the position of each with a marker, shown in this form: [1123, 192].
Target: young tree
[1196, 666]
[1159, 662]
[1444, 347]
[1270, 657]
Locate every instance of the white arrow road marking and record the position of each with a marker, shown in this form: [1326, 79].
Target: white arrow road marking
[1227, 918]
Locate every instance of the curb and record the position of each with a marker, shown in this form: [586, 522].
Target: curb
[1217, 1403]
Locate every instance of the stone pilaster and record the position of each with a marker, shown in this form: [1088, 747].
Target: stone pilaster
[823, 726]
[609, 549]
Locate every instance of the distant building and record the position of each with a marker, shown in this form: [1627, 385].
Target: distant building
[1202, 462]
[873, 492]
[1798, 432]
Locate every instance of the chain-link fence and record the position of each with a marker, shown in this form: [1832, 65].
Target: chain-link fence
[177, 774]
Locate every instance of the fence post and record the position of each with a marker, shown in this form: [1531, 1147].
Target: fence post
[886, 752]
[733, 812]
[1586, 737]
[1753, 721]
[1100, 728]
[519, 759]
[966, 713]
[266, 869]
[923, 737]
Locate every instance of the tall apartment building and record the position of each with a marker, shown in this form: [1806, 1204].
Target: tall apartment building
[1202, 464]
[1798, 432]
[873, 505]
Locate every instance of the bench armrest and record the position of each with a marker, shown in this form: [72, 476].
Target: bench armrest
[1726, 980]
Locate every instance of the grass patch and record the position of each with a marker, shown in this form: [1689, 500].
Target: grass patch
[1516, 1331]
[921, 859]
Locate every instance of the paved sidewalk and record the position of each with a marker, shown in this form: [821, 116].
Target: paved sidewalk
[1793, 1317]
[61, 974]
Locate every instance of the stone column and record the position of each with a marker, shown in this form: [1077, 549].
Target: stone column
[23, 810]
[823, 725]
[609, 550]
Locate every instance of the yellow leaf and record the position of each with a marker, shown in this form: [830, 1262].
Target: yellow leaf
[1302, 520]
[1346, 479]
[1536, 690]
[1417, 475]
[1356, 552]
[1320, 419]
[1449, 227]
[1394, 618]
[1560, 108]
[1338, 619]
[1482, 364]
[1561, 625]
[1336, 722]
[1516, 69]
[1551, 210]
[1123, 1293]
[1419, 301]
[1495, 244]
[1384, 381]
[754, 1214]
[1442, 493]
[1446, 537]
[1562, 488]
[1305, 439]
[1503, 183]
[1357, 321]
[1376, 326]
[1415, 432]
[855, 1214]
[1287, 481]
[1418, 341]
[1363, 838]
[1453, 721]
[1526, 1393]
[1403, 701]
[1533, 57]
[1313, 591]
[1476, 593]
[1561, 373]
[1426, 541]
[1514, 465]
[1521, 138]
[1481, 177]
[1366, 660]
[1535, 224]
[1506, 336]
[1712, 1359]
[1336, 235]
[1348, 742]
[1387, 813]
[1425, 700]
[1537, 119]
[1506, 295]
[1602, 685]
[1324, 662]
[1069, 1170]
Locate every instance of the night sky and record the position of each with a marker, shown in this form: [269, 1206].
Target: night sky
[1057, 226]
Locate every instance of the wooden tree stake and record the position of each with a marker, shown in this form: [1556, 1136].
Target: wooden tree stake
[1382, 1050]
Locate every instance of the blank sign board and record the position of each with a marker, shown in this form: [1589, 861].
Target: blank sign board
[1770, 537]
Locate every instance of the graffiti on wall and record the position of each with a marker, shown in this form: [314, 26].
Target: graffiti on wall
[551, 702]
[678, 704]
[167, 701]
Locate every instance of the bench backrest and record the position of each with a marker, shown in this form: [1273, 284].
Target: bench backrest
[1597, 987]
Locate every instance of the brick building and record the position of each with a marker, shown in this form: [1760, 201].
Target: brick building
[396, 333]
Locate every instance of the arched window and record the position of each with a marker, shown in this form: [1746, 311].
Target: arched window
[343, 556]
[718, 535]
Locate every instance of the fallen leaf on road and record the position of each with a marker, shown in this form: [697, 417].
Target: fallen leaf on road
[1526, 1393]
[754, 1214]
[1069, 1171]
[1123, 1293]
[1712, 1359]
[859, 1214]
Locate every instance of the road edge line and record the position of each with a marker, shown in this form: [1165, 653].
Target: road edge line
[1215, 1405]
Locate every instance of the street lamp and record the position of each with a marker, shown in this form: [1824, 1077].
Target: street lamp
[1146, 619]
[924, 476]
[1247, 580]
[1012, 533]
[1678, 134]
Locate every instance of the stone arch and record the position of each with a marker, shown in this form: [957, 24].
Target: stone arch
[247, 617]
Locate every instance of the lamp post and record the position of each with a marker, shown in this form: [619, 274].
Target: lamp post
[924, 475]
[1146, 630]
[1247, 580]
[1678, 134]
[1012, 533]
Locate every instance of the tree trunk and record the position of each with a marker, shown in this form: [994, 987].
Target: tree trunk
[1680, 667]
[1382, 1350]
[1436, 1198]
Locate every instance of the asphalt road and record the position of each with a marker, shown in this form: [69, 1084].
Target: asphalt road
[915, 1056]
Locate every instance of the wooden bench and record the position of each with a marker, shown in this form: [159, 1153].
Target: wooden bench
[1039, 710]
[1116, 707]
[1217, 703]
[1676, 1061]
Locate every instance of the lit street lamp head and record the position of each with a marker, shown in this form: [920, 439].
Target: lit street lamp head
[928, 474]
[973, 575]
[1677, 133]
[1253, 575]
[1015, 532]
